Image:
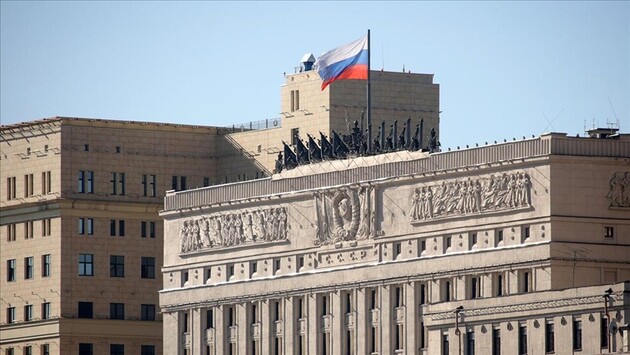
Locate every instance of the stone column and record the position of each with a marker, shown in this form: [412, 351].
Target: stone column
[290, 326]
[363, 318]
[266, 322]
[314, 329]
[242, 324]
[196, 335]
[337, 328]
[220, 327]
[387, 317]
[411, 317]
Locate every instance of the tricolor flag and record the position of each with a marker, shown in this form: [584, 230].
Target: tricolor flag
[349, 61]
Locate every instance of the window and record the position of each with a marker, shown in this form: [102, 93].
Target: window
[276, 266]
[86, 264]
[86, 147]
[144, 231]
[147, 312]
[522, 340]
[11, 232]
[46, 230]
[496, 341]
[28, 230]
[148, 185]
[86, 226]
[11, 270]
[86, 182]
[499, 236]
[46, 265]
[423, 246]
[117, 149]
[398, 297]
[206, 182]
[28, 350]
[525, 281]
[118, 183]
[253, 268]
[470, 342]
[28, 185]
[11, 188]
[577, 334]
[423, 293]
[29, 263]
[182, 183]
[446, 291]
[445, 345]
[397, 250]
[295, 100]
[147, 269]
[549, 337]
[295, 135]
[499, 285]
[116, 266]
[121, 228]
[116, 311]
[147, 349]
[448, 243]
[46, 310]
[85, 310]
[116, 349]
[230, 271]
[300, 262]
[44, 349]
[475, 287]
[28, 312]
[525, 233]
[46, 182]
[609, 232]
[473, 239]
[209, 318]
[11, 315]
[85, 349]
[603, 332]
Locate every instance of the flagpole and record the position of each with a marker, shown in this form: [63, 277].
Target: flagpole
[369, 98]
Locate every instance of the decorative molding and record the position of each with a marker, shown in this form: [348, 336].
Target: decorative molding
[619, 194]
[526, 307]
[470, 197]
[227, 230]
[345, 214]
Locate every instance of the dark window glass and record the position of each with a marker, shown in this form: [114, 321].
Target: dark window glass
[116, 266]
[121, 228]
[86, 265]
[549, 338]
[116, 349]
[117, 311]
[85, 310]
[147, 312]
[577, 335]
[147, 270]
[522, 340]
[496, 342]
[147, 350]
[86, 349]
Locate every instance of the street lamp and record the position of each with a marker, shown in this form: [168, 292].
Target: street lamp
[606, 296]
[457, 311]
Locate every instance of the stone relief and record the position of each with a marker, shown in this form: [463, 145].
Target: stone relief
[619, 194]
[345, 214]
[457, 198]
[234, 229]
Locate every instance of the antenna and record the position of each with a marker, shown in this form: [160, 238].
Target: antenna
[614, 113]
[383, 56]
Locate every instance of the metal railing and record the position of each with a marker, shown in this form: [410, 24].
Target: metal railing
[253, 125]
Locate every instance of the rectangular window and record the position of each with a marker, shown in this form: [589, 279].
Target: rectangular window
[423, 246]
[116, 266]
[11, 232]
[295, 135]
[397, 250]
[81, 181]
[522, 340]
[499, 285]
[147, 350]
[609, 232]
[151, 229]
[28, 185]
[549, 338]
[398, 297]
[526, 281]
[112, 227]
[470, 342]
[29, 263]
[446, 290]
[46, 265]
[85, 310]
[152, 185]
[525, 232]
[174, 183]
[473, 239]
[11, 194]
[147, 312]
[45, 349]
[46, 182]
[577, 334]
[449, 242]
[496, 341]
[324, 305]
[28, 350]
[276, 266]
[295, 100]
[86, 264]
[445, 345]
[86, 349]
[11, 315]
[11, 265]
[90, 226]
[145, 185]
[209, 318]
[114, 183]
[475, 287]
[28, 312]
[46, 227]
[147, 270]
[28, 230]
[121, 181]
[206, 182]
[116, 349]
[230, 271]
[116, 311]
[182, 184]
[143, 229]
[86, 226]
[423, 293]
[86, 147]
[253, 268]
[90, 182]
[120, 229]
[499, 237]
[46, 310]
[603, 332]
[82, 225]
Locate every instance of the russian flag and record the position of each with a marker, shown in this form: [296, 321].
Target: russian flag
[349, 61]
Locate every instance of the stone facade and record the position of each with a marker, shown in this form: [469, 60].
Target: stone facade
[508, 247]
[79, 225]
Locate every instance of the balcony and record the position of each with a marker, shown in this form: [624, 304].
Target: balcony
[349, 320]
[186, 340]
[399, 314]
[326, 321]
[375, 316]
[210, 336]
[255, 331]
[233, 333]
[302, 326]
[278, 328]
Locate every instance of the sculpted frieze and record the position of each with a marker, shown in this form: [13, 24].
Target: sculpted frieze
[344, 214]
[470, 196]
[226, 230]
[619, 194]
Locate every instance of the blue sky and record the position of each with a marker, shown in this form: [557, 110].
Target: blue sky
[505, 69]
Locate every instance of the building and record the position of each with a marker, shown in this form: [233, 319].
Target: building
[521, 247]
[81, 242]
